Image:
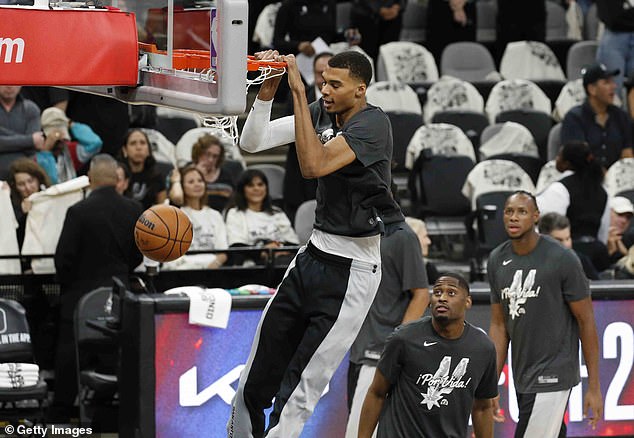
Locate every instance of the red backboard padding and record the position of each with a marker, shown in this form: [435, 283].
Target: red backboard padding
[67, 47]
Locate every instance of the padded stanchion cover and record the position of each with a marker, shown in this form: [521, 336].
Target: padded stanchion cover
[67, 47]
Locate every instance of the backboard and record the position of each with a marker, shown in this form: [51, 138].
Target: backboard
[219, 27]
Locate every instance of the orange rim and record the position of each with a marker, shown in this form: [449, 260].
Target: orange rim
[255, 64]
[192, 59]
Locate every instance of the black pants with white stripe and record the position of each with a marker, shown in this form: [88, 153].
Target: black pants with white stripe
[542, 414]
[305, 331]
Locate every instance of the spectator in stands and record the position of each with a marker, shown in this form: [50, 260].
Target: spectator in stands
[253, 220]
[20, 133]
[298, 189]
[123, 178]
[147, 185]
[580, 196]
[299, 22]
[449, 22]
[419, 227]
[25, 178]
[520, 21]
[209, 227]
[615, 49]
[208, 155]
[96, 243]
[68, 145]
[108, 117]
[557, 226]
[378, 21]
[620, 237]
[597, 121]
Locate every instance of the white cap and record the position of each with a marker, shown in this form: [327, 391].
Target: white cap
[621, 205]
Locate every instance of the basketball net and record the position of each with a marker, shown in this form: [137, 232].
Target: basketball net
[198, 65]
[229, 124]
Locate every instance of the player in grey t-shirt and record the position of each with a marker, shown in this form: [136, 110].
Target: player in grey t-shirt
[403, 296]
[540, 302]
[433, 373]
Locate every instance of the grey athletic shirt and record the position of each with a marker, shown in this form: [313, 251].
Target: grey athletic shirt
[356, 200]
[402, 269]
[434, 380]
[534, 291]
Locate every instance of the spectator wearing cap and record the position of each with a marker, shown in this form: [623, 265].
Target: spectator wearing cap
[619, 239]
[597, 121]
[68, 145]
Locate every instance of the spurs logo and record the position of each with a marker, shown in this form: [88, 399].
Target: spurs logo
[518, 293]
[441, 383]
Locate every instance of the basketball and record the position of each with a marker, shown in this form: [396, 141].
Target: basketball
[163, 233]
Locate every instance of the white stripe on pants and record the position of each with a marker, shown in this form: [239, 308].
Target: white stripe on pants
[547, 414]
[300, 405]
[366, 375]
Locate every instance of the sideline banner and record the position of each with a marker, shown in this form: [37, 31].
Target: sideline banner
[67, 47]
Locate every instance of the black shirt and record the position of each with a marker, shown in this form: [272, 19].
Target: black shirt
[434, 380]
[607, 142]
[356, 200]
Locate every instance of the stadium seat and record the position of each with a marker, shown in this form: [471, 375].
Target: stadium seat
[468, 61]
[304, 220]
[554, 142]
[404, 125]
[537, 122]
[14, 396]
[407, 62]
[580, 54]
[414, 19]
[472, 124]
[556, 26]
[96, 360]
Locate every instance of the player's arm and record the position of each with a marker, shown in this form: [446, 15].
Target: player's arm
[499, 335]
[481, 415]
[584, 314]
[500, 338]
[373, 404]
[260, 132]
[315, 159]
[417, 304]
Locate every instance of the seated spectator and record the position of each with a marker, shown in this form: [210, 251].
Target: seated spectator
[68, 145]
[581, 197]
[597, 121]
[619, 240]
[20, 133]
[208, 225]
[208, 155]
[558, 227]
[252, 220]
[147, 185]
[123, 178]
[25, 178]
[379, 22]
[419, 227]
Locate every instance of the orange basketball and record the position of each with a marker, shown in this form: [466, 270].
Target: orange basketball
[163, 233]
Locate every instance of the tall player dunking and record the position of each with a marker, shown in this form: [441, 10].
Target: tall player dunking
[308, 326]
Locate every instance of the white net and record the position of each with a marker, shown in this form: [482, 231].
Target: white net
[229, 124]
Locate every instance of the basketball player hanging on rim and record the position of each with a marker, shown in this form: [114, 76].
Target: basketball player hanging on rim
[308, 326]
